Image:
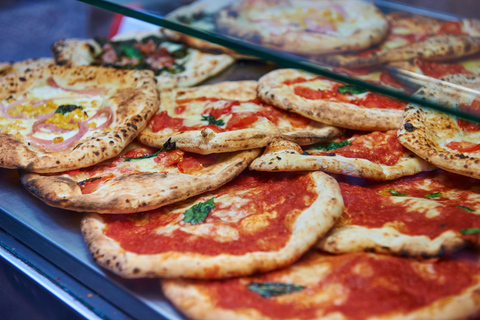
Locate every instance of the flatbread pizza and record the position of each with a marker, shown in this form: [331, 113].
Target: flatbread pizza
[306, 26]
[448, 142]
[174, 65]
[226, 117]
[140, 179]
[374, 156]
[425, 215]
[257, 223]
[329, 101]
[415, 36]
[351, 286]
[61, 118]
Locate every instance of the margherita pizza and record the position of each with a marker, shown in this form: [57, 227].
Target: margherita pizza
[60, 118]
[174, 65]
[257, 223]
[361, 286]
[141, 179]
[448, 142]
[305, 26]
[330, 101]
[375, 156]
[226, 117]
[416, 36]
[424, 215]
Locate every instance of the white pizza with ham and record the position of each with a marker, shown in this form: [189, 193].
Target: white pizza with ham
[256, 223]
[371, 155]
[62, 118]
[225, 117]
[140, 179]
[329, 101]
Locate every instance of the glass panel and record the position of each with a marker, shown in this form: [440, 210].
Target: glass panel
[345, 40]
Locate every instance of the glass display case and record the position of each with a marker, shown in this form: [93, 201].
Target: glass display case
[49, 241]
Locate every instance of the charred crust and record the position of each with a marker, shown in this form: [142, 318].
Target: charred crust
[331, 154]
[409, 127]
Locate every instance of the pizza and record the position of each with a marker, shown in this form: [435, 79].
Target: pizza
[373, 155]
[415, 36]
[306, 26]
[63, 118]
[226, 117]
[329, 101]
[140, 179]
[350, 286]
[174, 65]
[425, 215]
[199, 15]
[469, 66]
[257, 223]
[24, 66]
[446, 141]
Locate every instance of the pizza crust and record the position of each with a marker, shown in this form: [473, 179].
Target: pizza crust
[193, 299]
[272, 90]
[426, 132]
[206, 141]
[199, 67]
[287, 156]
[235, 20]
[137, 192]
[307, 228]
[132, 94]
[25, 66]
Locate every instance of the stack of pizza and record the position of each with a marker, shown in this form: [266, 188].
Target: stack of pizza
[290, 197]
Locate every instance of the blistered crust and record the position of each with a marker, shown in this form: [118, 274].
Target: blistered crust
[272, 90]
[425, 131]
[200, 66]
[131, 93]
[286, 156]
[206, 141]
[136, 192]
[309, 226]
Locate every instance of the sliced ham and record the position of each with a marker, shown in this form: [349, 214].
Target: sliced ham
[87, 91]
[55, 147]
[100, 112]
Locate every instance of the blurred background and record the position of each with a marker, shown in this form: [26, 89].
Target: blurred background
[29, 27]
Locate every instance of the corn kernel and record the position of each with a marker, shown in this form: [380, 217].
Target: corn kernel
[57, 139]
[92, 125]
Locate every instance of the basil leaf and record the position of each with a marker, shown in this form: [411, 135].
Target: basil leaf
[212, 120]
[271, 289]
[167, 146]
[396, 193]
[66, 108]
[130, 52]
[433, 195]
[465, 208]
[198, 212]
[351, 89]
[332, 145]
[177, 68]
[470, 231]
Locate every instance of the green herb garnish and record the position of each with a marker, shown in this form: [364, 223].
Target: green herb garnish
[212, 120]
[198, 212]
[130, 52]
[352, 89]
[167, 146]
[332, 145]
[179, 53]
[396, 193]
[66, 108]
[470, 231]
[433, 195]
[465, 208]
[271, 289]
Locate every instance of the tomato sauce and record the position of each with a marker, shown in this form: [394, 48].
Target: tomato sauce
[370, 204]
[368, 285]
[438, 70]
[378, 147]
[371, 100]
[286, 194]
